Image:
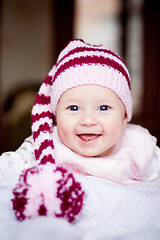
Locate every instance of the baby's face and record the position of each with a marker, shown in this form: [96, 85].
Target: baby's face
[90, 120]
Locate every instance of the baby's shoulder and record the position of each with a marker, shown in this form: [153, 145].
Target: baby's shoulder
[139, 135]
[137, 130]
[14, 162]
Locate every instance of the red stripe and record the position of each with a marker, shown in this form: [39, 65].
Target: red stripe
[47, 158]
[42, 128]
[42, 99]
[90, 49]
[48, 80]
[92, 60]
[44, 145]
[37, 116]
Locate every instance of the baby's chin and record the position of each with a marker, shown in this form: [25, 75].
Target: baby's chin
[94, 155]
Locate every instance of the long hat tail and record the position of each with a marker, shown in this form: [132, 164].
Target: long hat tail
[42, 120]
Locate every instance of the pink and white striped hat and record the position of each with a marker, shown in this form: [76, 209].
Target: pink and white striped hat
[78, 64]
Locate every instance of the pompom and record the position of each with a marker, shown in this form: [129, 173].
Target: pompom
[49, 191]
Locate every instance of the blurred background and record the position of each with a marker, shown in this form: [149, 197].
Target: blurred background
[32, 33]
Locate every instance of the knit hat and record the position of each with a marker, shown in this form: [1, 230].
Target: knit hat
[78, 64]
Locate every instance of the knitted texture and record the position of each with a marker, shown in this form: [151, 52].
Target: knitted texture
[46, 191]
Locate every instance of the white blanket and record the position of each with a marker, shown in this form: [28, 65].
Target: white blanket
[110, 211]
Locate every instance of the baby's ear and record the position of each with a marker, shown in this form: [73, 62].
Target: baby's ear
[125, 121]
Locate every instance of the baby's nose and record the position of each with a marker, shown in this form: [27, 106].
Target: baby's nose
[88, 119]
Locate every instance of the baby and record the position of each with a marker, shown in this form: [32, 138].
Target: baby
[80, 123]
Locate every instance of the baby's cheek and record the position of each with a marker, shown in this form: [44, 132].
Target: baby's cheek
[63, 132]
[115, 130]
[117, 134]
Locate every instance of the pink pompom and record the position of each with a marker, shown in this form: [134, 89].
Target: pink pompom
[49, 191]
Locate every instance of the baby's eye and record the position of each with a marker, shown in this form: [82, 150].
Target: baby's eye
[73, 108]
[103, 108]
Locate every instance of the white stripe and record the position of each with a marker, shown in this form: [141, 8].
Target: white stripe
[37, 124]
[47, 151]
[45, 89]
[41, 138]
[41, 108]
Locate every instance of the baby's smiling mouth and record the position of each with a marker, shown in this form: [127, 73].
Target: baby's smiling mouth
[88, 137]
